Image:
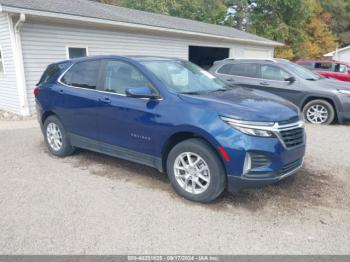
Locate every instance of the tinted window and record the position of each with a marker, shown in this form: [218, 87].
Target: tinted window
[120, 76]
[76, 52]
[50, 71]
[273, 73]
[84, 74]
[243, 69]
[323, 66]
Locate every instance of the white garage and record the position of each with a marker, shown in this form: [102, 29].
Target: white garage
[35, 33]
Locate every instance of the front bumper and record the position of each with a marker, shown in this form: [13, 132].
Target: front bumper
[257, 161]
[343, 117]
[237, 183]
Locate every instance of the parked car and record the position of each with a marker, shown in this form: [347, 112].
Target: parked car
[174, 116]
[329, 69]
[321, 100]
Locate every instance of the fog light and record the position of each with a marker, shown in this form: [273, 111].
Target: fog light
[247, 164]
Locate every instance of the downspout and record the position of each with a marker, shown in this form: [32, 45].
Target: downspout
[20, 74]
[20, 22]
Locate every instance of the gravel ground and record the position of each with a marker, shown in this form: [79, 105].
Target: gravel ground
[93, 204]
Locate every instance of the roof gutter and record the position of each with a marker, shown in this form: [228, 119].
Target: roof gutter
[131, 25]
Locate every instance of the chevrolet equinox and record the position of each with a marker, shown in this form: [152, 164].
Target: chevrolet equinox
[169, 114]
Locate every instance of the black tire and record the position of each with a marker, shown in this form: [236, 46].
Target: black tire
[66, 149]
[323, 103]
[217, 172]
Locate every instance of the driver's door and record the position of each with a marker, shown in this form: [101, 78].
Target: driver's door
[273, 79]
[125, 122]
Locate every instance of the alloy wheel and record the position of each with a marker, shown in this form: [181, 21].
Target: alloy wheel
[192, 173]
[317, 114]
[54, 136]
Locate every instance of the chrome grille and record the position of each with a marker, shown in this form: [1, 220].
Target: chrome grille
[293, 137]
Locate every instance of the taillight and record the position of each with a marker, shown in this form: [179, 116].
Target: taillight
[36, 91]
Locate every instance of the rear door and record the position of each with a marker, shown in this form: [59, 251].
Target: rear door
[78, 99]
[243, 74]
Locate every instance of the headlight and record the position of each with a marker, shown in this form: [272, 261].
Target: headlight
[251, 128]
[345, 92]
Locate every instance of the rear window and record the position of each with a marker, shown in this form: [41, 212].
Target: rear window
[50, 71]
[83, 74]
[243, 69]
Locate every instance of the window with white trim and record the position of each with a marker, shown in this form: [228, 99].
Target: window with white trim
[76, 52]
[2, 68]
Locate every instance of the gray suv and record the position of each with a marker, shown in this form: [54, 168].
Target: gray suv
[322, 100]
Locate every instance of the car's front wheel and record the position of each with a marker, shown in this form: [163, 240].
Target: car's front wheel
[319, 112]
[195, 171]
[56, 138]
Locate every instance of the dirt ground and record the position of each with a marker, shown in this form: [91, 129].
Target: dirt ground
[94, 204]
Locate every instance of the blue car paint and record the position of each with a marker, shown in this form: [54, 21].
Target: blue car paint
[145, 126]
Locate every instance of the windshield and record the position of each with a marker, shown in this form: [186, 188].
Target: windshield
[184, 77]
[302, 71]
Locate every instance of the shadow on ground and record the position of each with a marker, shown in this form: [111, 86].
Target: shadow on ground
[304, 189]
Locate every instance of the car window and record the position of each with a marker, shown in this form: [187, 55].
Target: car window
[240, 69]
[273, 73]
[83, 74]
[339, 68]
[120, 76]
[324, 66]
[184, 77]
[50, 71]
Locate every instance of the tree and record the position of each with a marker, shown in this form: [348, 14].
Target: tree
[304, 26]
[320, 39]
[339, 10]
[238, 13]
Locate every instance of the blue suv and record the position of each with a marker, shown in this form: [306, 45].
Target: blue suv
[170, 114]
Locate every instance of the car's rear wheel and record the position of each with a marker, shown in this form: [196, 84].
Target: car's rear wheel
[56, 137]
[195, 171]
[319, 112]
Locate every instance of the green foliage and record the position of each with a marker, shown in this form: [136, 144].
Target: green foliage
[339, 10]
[304, 26]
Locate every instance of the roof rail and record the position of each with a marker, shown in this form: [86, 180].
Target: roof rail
[262, 59]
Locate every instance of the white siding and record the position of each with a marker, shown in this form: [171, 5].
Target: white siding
[343, 56]
[44, 44]
[253, 52]
[9, 99]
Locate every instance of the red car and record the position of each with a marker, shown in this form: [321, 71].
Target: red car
[330, 69]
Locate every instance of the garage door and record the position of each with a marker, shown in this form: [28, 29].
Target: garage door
[256, 53]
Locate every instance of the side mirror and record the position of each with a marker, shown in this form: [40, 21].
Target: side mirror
[348, 71]
[291, 79]
[141, 92]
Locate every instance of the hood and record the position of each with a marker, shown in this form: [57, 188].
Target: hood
[246, 104]
[333, 84]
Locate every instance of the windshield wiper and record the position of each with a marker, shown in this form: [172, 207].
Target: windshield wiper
[190, 93]
[312, 79]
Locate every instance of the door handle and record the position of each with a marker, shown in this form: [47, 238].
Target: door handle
[230, 80]
[61, 92]
[105, 100]
[264, 83]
